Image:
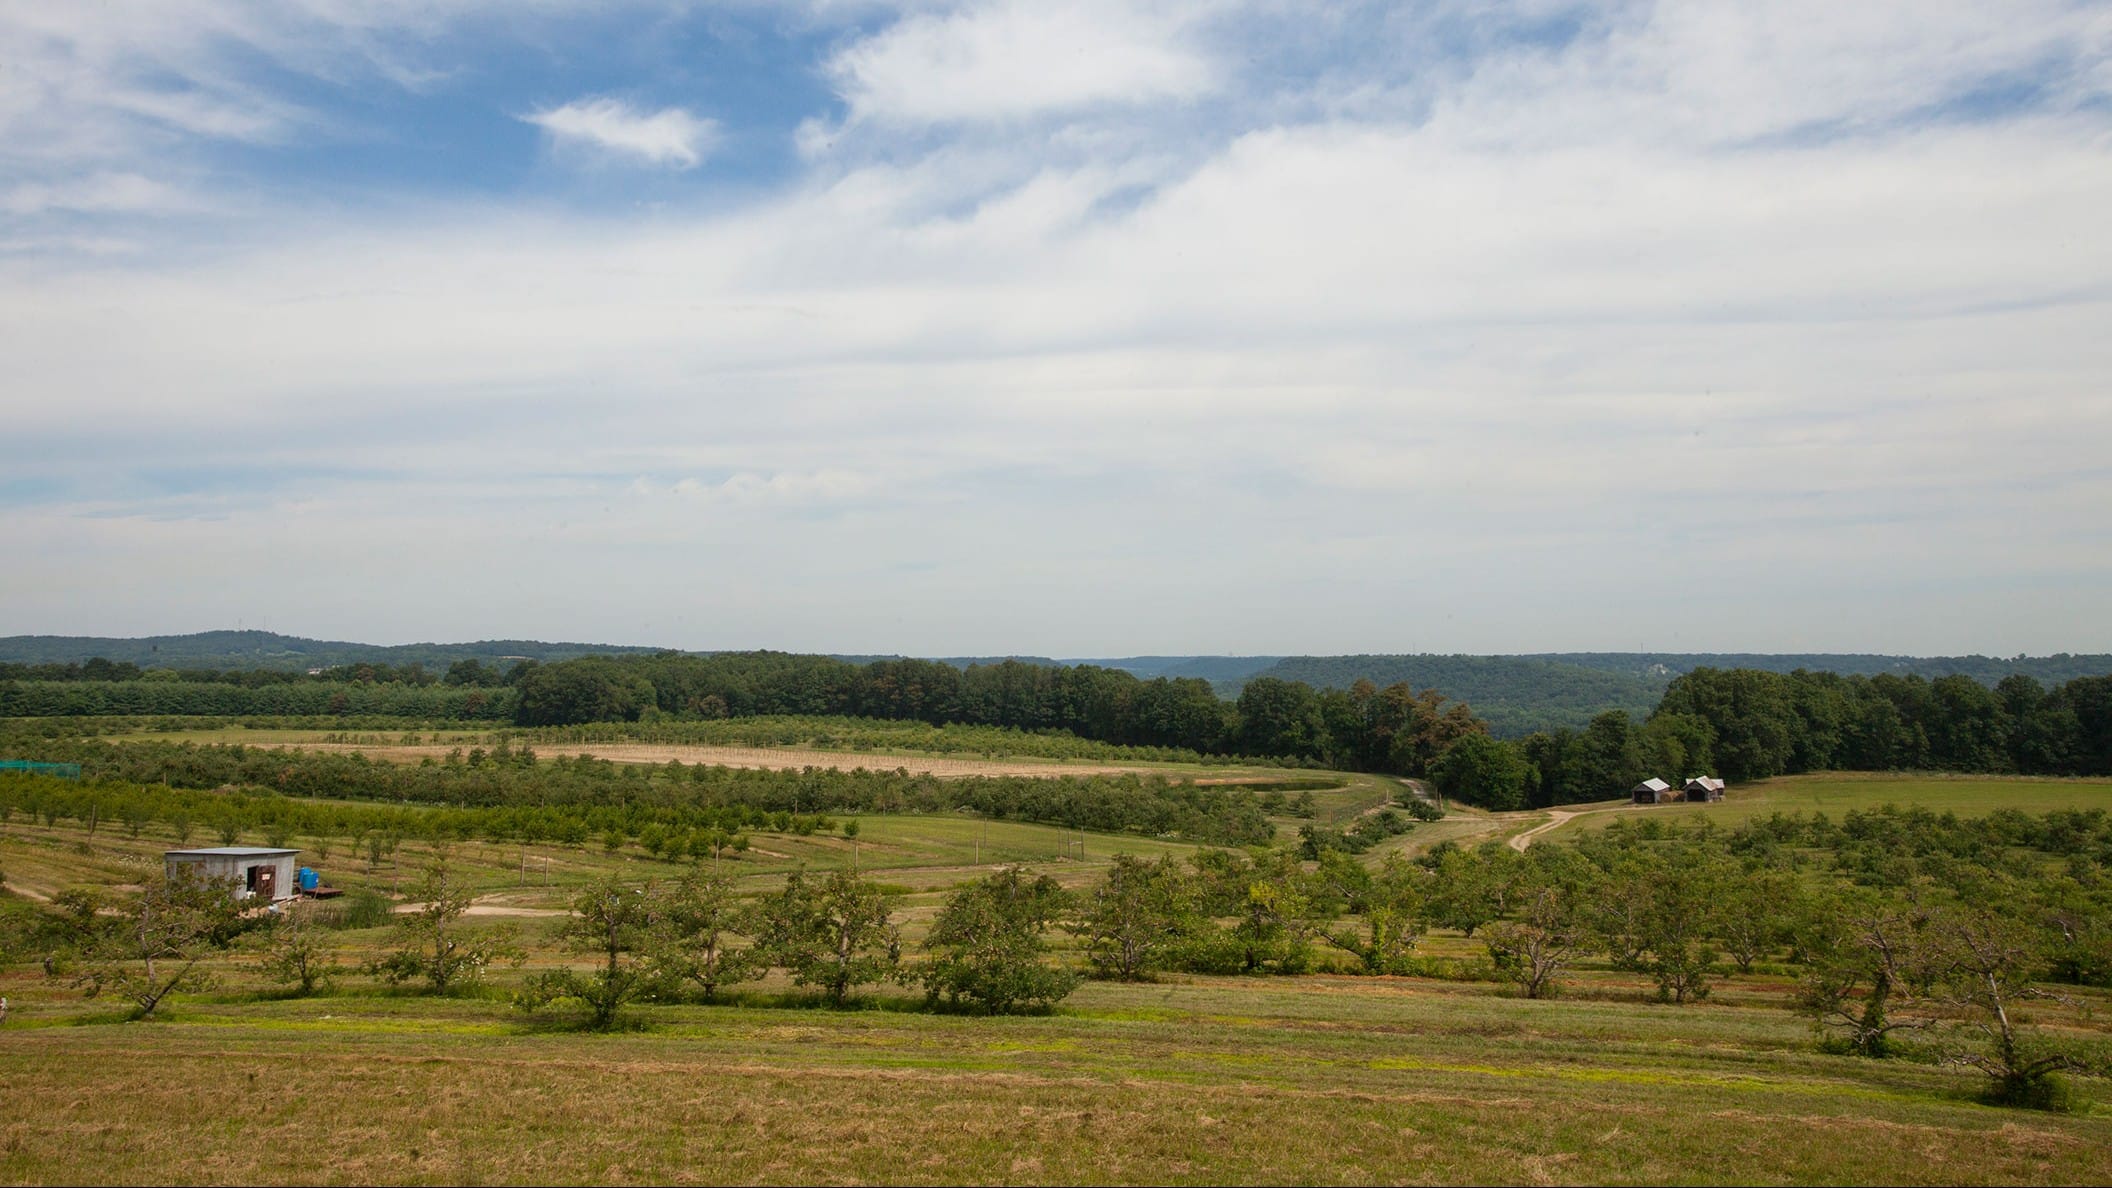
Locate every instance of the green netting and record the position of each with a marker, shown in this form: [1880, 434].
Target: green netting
[65, 771]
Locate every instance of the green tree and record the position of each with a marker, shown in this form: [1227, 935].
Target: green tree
[1484, 771]
[1989, 958]
[168, 929]
[295, 955]
[1864, 960]
[837, 934]
[1388, 902]
[431, 944]
[1754, 912]
[694, 934]
[1469, 888]
[987, 947]
[1278, 717]
[612, 921]
[1548, 936]
[1134, 916]
[1274, 916]
[1678, 940]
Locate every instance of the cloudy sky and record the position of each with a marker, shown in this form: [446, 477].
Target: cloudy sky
[1090, 328]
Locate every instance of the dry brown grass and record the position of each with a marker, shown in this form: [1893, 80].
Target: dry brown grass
[762, 758]
[1204, 1081]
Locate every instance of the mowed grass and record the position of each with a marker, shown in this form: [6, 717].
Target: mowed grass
[1323, 1080]
[1836, 793]
[915, 852]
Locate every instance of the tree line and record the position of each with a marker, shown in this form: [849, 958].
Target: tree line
[506, 777]
[1748, 724]
[146, 697]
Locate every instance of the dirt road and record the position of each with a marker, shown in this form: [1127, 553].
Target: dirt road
[1556, 819]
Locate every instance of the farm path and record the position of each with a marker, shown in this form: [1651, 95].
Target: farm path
[480, 908]
[1556, 819]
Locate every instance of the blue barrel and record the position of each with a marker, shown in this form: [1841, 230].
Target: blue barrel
[310, 880]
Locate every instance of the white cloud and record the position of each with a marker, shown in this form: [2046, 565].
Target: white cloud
[670, 136]
[1019, 58]
[97, 193]
[1692, 293]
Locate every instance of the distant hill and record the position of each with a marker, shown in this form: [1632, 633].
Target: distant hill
[267, 649]
[2048, 670]
[1515, 694]
[1520, 694]
[1220, 671]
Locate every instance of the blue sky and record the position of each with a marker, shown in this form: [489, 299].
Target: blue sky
[982, 326]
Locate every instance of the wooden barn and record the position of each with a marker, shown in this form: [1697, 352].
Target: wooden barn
[1652, 791]
[1704, 788]
[257, 872]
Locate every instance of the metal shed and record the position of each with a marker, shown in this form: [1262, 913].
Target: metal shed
[1650, 791]
[1704, 788]
[258, 872]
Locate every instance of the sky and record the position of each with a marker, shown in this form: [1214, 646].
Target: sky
[1096, 328]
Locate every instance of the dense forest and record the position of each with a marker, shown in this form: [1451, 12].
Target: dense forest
[1748, 724]
[1518, 695]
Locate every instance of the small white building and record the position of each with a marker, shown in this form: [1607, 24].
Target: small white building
[258, 872]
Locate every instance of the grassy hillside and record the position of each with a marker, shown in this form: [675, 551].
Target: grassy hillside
[1836, 793]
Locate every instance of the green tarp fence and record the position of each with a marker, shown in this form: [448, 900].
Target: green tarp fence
[65, 771]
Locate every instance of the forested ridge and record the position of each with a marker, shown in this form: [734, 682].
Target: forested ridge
[1517, 695]
[1740, 723]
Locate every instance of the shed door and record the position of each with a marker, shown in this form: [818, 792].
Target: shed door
[268, 881]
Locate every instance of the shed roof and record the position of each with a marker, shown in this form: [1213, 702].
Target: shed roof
[1653, 784]
[229, 852]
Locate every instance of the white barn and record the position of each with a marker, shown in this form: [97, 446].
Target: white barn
[258, 872]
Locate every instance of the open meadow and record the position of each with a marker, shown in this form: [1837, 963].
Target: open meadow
[1326, 1077]
[1220, 1080]
[1836, 793]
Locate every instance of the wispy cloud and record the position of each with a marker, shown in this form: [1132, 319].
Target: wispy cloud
[1018, 58]
[669, 137]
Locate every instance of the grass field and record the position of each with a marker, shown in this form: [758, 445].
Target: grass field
[1325, 1080]
[1835, 793]
[1321, 1078]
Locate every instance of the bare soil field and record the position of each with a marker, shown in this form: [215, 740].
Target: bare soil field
[764, 758]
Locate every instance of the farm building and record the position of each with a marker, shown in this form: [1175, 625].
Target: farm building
[1704, 788]
[1652, 791]
[257, 872]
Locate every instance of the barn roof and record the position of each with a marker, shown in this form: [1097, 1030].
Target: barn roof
[1653, 784]
[229, 852]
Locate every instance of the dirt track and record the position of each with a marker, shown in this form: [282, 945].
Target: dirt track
[1556, 817]
[772, 758]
